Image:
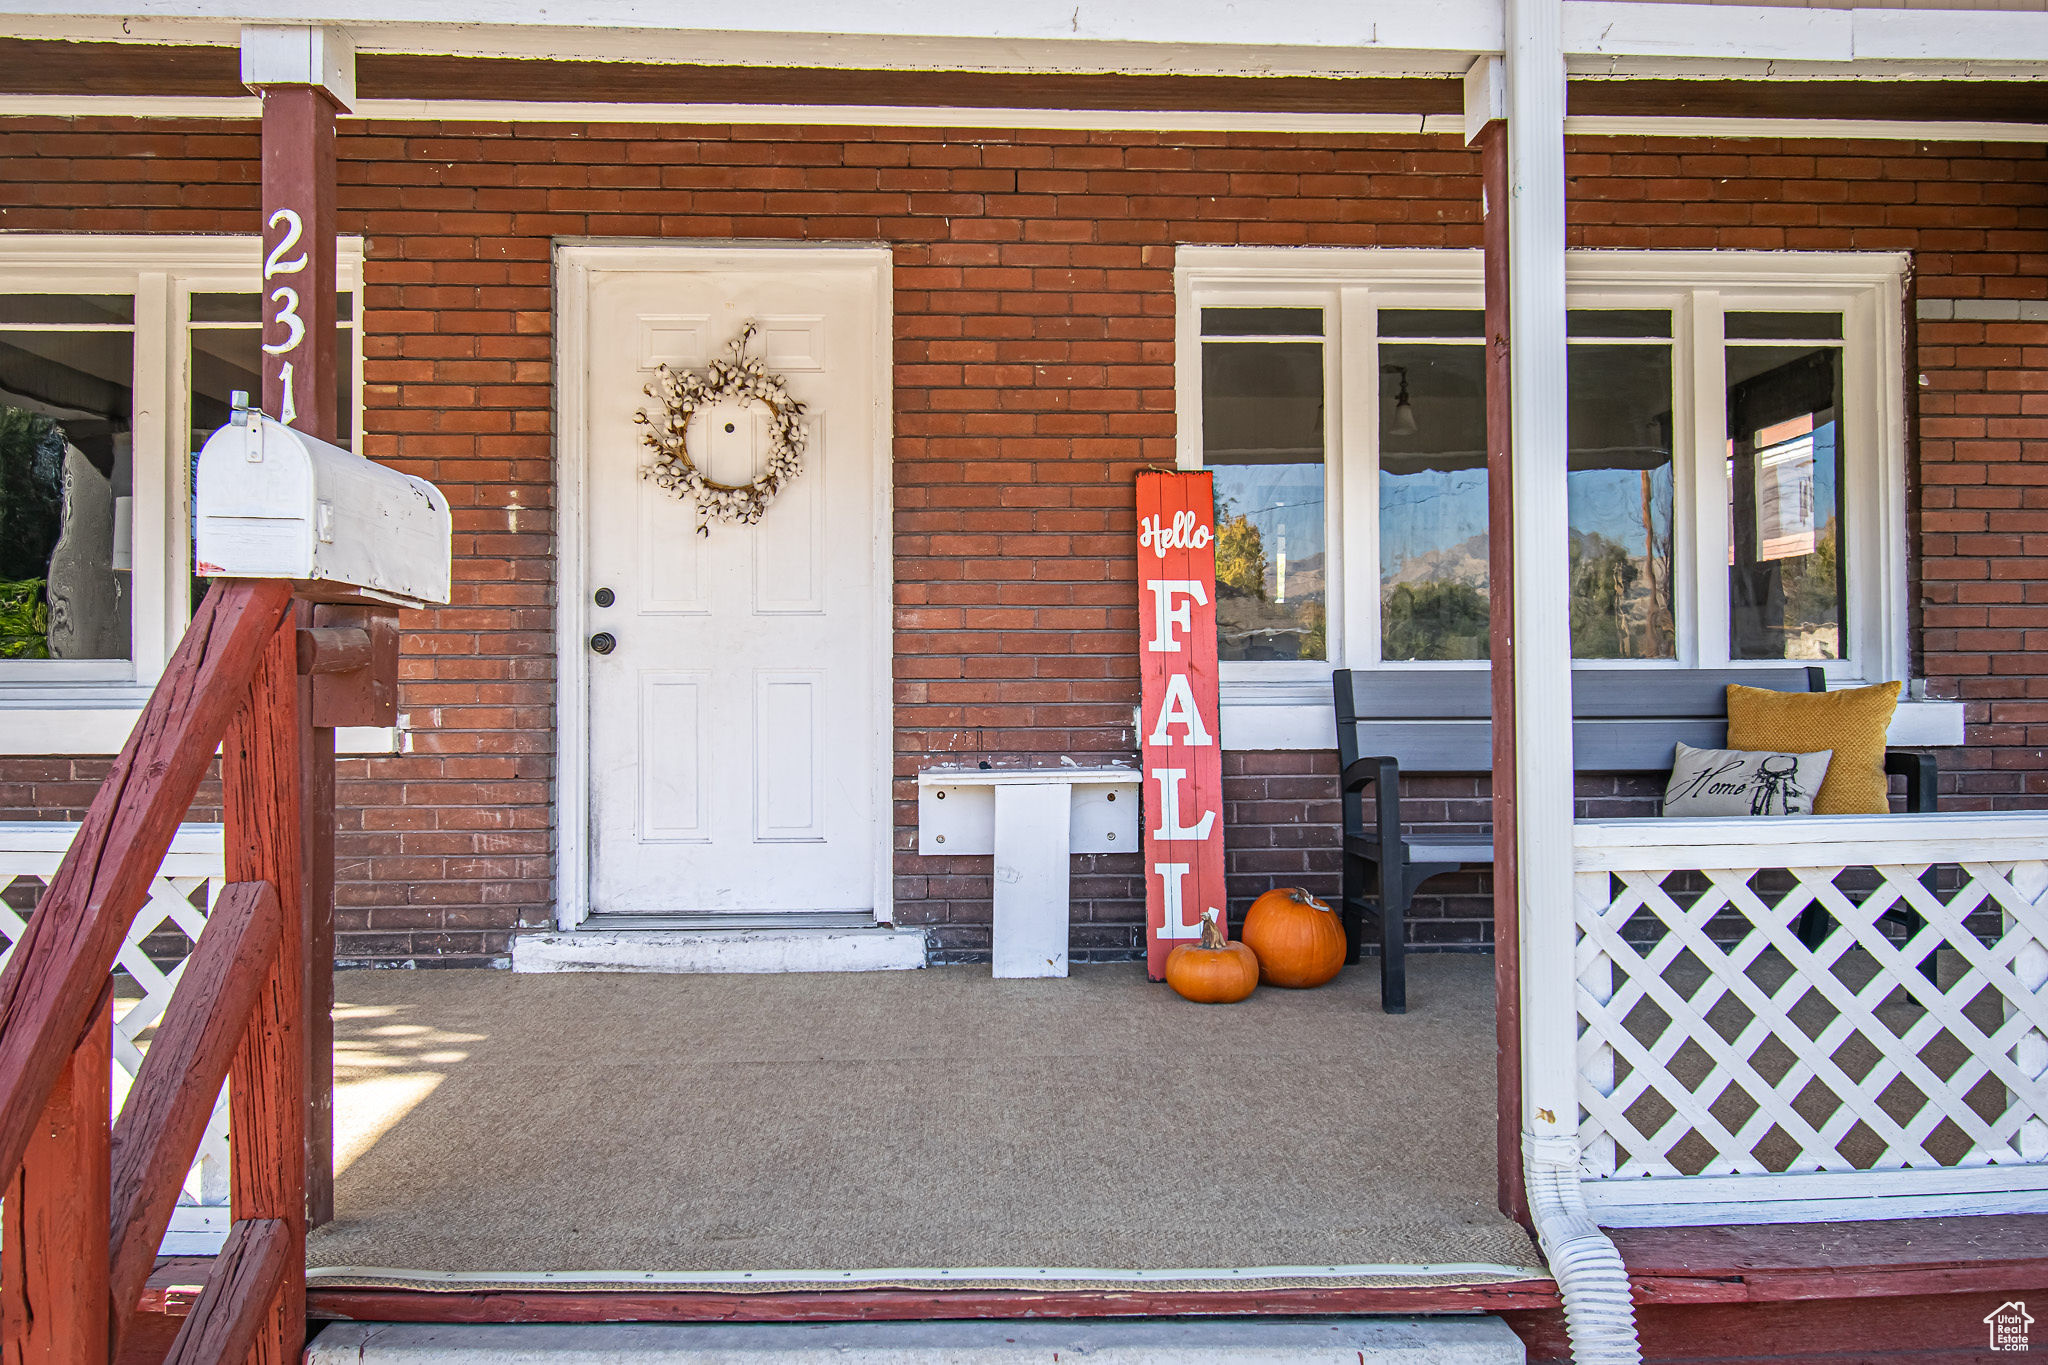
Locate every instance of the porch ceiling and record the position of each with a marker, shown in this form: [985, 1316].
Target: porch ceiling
[607, 1126]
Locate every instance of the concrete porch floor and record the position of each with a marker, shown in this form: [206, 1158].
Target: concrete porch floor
[883, 1128]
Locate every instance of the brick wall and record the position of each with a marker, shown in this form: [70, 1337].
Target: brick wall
[1034, 375]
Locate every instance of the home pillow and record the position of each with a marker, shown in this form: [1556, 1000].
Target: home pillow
[1849, 724]
[1739, 782]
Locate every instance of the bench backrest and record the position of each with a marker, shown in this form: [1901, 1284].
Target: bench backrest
[1623, 720]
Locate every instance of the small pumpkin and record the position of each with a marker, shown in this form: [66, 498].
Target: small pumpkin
[1298, 939]
[1214, 971]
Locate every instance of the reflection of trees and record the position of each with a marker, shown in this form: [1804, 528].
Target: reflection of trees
[1617, 610]
[1443, 619]
[1813, 585]
[1240, 556]
[31, 514]
[31, 491]
[1315, 639]
[1602, 575]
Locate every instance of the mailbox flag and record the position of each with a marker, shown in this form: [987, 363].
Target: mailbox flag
[1180, 736]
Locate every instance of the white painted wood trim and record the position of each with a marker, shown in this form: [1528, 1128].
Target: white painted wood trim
[572, 612]
[574, 259]
[1026, 777]
[196, 850]
[1097, 120]
[1203, 37]
[47, 728]
[1877, 130]
[196, 1230]
[1656, 844]
[883, 646]
[683, 951]
[1819, 1197]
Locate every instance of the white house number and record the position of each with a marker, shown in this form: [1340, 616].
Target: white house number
[287, 299]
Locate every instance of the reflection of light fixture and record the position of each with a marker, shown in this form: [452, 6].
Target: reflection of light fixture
[1403, 423]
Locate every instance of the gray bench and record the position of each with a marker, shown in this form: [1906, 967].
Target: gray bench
[1391, 722]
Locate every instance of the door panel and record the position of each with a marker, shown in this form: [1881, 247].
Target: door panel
[732, 729]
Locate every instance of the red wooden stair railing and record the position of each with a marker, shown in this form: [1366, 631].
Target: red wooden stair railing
[86, 1201]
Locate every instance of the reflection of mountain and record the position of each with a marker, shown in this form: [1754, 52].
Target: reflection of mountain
[1304, 578]
[1464, 562]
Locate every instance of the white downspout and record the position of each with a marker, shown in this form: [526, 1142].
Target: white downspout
[1589, 1271]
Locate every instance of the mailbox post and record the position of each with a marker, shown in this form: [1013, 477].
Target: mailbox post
[304, 75]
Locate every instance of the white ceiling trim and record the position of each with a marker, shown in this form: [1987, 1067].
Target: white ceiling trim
[1186, 37]
[893, 116]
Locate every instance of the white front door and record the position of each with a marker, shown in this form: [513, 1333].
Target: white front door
[733, 729]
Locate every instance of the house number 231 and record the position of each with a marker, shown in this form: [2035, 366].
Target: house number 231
[277, 263]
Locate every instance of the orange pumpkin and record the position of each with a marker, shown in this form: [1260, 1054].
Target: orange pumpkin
[1298, 939]
[1214, 971]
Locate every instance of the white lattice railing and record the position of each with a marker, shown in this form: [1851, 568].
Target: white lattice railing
[1726, 1072]
[29, 854]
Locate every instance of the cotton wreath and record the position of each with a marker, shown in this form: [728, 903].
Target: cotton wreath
[745, 378]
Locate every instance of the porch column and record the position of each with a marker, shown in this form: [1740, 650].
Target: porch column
[1591, 1278]
[1540, 649]
[1486, 125]
[304, 76]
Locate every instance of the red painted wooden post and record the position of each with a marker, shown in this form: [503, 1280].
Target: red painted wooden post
[1500, 568]
[166, 1113]
[1179, 733]
[299, 315]
[53, 1261]
[260, 784]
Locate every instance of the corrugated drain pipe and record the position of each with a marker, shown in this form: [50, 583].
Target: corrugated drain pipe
[1598, 1311]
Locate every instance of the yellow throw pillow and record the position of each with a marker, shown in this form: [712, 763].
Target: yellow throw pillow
[1851, 723]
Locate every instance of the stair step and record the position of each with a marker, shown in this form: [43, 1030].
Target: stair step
[1444, 1340]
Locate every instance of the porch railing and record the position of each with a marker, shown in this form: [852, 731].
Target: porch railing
[152, 958]
[87, 1202]
[1729, 1073]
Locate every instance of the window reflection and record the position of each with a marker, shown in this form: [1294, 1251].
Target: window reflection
[1433, 526]
[1262, 439]
[66, 481]
[1620, 488]
[1784, 502]
[1433, 566]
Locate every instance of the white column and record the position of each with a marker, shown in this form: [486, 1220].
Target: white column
[1543, 731]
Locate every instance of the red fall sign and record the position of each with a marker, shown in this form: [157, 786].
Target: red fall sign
[1179, 732]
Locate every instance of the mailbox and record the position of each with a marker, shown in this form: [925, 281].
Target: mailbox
[276, 503]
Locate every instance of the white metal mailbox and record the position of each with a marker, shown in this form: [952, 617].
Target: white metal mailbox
[277, 503]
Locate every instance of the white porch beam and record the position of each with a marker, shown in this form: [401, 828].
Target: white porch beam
[1189, 37]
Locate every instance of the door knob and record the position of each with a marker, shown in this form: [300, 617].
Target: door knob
[603, 642]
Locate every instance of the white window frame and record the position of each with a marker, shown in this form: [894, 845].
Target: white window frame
[1287, 705]
[88, 707]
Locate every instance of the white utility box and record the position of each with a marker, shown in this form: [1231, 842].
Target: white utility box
[276, 503]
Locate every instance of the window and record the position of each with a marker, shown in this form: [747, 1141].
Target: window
[1263, 435]
[117, 359]
[1735, 458]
